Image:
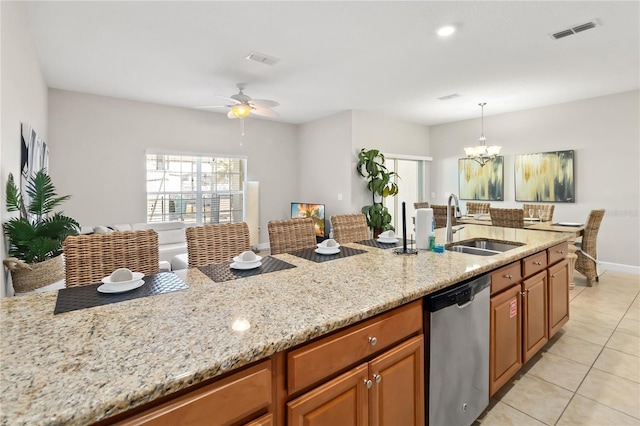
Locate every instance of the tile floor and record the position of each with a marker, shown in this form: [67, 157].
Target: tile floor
[589, 373]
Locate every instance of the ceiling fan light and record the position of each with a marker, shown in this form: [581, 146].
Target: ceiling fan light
[240, 110]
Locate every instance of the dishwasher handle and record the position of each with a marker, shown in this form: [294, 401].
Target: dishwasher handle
[461, 294]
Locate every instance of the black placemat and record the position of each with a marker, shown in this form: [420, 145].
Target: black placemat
[220, 272]
[88, 296]
[310, 254]
[378, 244]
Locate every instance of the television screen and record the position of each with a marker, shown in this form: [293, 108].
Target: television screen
[314, 211]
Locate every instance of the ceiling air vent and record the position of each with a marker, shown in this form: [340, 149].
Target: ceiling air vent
[446, 98]
[574, 30]
[262, 58]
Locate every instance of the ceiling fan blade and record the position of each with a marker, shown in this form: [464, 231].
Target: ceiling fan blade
[265, 112]
[229, 100]
[230, 114]
[212, 106]
[264, 103]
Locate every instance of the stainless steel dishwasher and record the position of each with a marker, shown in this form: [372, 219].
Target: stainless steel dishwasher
[458, 361]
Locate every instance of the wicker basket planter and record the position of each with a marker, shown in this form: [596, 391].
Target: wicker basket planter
[28, 277]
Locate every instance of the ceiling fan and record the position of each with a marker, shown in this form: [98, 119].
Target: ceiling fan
[242, 105]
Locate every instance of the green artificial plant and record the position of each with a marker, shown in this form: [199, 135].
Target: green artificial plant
[381, 183]
[35, 236]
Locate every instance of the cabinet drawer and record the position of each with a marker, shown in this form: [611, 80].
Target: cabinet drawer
[316, 361]
[557, 252]
[505, 277]
[534, 263]
[227, 401]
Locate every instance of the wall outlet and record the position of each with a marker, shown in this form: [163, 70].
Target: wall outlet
[433, 195]
[339, 197]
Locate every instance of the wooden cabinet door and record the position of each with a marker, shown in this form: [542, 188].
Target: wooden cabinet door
[558, 296]
[505, 345]
[535, 330]
[397, 392]
[228, 401]
[341, 401]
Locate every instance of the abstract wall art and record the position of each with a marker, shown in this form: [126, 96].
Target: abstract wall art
[546, 177]
[34, 156]
[477, 182]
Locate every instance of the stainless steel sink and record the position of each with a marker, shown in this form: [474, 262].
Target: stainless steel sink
[482, 247]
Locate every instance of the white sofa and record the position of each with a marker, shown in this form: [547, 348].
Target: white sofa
[172, 240]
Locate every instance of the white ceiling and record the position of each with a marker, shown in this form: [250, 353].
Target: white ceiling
[382, 57]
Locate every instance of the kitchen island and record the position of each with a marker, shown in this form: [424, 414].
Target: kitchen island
[88, 365]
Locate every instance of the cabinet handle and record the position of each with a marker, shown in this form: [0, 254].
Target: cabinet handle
[561, 251]
[508, 276]
[553, 275]
[373, 341]
[522, 293]
[368, 383]
[377, 378]
[528, 290]
[537, 263]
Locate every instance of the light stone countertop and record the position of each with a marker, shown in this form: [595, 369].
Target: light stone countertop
[83, 366]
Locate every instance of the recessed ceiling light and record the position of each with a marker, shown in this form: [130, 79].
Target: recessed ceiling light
[447, 30]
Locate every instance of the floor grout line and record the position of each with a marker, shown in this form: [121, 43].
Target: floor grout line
[591, 366]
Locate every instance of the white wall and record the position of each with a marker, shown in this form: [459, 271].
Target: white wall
[605, 134]
[24, 99]
[372, 131]
[98, 147]
[325, 164]
[333, 143]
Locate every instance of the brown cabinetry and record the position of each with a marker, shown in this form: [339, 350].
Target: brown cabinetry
[388, 390]
[529, 304]
[369, 374]
[535, 332]
[558, 296]
[505, 354]
[236, 399]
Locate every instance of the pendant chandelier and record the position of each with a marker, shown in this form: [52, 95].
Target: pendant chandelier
[482, 153]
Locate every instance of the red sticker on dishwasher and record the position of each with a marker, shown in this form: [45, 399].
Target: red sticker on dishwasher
[513, 308]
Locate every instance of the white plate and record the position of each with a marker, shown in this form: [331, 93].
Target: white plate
[246, 265]
[321, 247]
[569, 224]
[247, 262]
[120, 288]
[330, 250]
[388, 240]
[137, 276]
[534, 219]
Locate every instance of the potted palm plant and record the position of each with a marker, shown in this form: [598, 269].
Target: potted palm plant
[35, 237]
[381, 184]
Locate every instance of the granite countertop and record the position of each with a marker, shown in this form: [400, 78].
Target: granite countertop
[83, 366]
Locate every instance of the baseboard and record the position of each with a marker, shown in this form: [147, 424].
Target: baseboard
[619, 267]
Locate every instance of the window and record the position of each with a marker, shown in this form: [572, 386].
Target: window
[196, 189]
[412, 186]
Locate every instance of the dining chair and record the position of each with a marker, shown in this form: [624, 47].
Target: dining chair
[421, 205]
[291, 235]
[216, 243]
[440, 216]
[89, 258]
[349, 228]
[478, 208]
[546, 209]
[587, 262]
[508, 218]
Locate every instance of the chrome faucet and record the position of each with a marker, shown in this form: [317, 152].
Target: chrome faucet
[450, 230]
